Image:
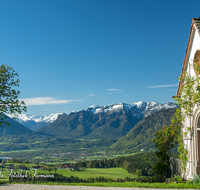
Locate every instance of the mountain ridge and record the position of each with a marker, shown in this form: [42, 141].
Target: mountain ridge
[144, 108]
[141, 135]
[14, 129]
[102, 122]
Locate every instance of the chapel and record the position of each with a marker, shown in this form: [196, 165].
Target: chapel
[193, 141]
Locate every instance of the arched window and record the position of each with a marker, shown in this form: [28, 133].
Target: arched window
[197, 60]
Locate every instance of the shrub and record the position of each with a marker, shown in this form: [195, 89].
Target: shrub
[177, 178]
[196, 179]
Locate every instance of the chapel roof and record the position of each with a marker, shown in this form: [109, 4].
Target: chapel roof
[195, 24]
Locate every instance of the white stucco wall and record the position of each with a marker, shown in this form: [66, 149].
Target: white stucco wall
[195, 47]
[190, 144]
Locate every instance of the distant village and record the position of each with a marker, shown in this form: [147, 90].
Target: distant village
[11, 167]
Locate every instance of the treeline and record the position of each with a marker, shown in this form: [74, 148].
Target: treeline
[14, 160]
[25, 142]
[73, 179]
[10, 147]
[142, 161]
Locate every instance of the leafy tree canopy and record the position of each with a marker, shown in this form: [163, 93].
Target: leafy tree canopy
[9, 103]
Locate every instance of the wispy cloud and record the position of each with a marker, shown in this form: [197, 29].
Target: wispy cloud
[45, 100]
[163, 86]
[92, 95]
[114, 90]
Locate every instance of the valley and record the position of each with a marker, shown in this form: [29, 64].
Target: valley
[94, 133]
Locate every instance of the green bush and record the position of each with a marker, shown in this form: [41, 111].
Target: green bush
[138, 172]
[177, 178]
[196, 179]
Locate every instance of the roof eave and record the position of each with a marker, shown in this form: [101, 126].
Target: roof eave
[186, 56]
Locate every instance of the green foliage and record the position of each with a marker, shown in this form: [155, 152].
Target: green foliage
[142, 161]
[165, 140]
[177, 178]
[9, 103]
[24, 139]
[138, 172]
[196, 179]
[14, 160]
[188, 98]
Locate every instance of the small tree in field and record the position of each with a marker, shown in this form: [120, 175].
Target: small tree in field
[165, 140]
[9, 103]
[138, 172]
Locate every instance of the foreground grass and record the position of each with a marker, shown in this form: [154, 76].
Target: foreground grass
[130, 184]
[111, 173]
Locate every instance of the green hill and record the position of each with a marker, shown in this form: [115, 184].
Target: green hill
[141, 135]
[14, 129]
[87, 125]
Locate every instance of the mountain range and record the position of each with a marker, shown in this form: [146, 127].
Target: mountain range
[130, 127]
[137, 109]
[35, 122]
[102, 122]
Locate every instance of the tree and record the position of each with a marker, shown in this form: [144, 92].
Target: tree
[49, 169]
[188, 98]
[9, 103]
[55, 168]
[165, 140]
[138, 172]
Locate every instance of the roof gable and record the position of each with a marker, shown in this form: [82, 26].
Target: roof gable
[195, 27]
[196, 22]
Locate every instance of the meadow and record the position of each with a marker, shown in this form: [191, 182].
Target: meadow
[111, 173]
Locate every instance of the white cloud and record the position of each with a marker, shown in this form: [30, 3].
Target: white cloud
[163, 86]
[114, 91]
[92, 95]
[45, 100]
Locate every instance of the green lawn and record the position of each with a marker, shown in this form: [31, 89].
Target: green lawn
[112, 173]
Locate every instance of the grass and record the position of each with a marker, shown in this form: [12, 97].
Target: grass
[112, 173]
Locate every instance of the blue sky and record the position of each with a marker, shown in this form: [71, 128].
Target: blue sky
[71, 54]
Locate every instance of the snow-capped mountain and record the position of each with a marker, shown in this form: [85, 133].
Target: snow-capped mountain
[137, 109]
[104, 122]
[38, 118]
[36, 121]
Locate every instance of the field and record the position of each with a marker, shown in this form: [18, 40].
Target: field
[112, 173]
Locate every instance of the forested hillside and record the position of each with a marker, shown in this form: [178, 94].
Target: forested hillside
[14, 129]
[141, 135]
[105, 122]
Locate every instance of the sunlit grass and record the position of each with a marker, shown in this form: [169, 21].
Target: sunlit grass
[112, 173]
